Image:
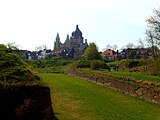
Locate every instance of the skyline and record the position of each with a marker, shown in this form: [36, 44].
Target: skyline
[33, 23]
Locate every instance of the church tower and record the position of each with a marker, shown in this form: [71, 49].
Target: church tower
[57, 42]
[67, 42]
[77, 34]
[73, 45]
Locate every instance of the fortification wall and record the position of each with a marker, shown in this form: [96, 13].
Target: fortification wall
[25, 103]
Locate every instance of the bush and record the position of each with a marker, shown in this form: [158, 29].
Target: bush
[105, 66]
[133, 63]
[3, 49]
[82, 64]
[97, 64]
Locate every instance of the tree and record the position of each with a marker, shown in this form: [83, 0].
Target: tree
[108, 47]
[3, 48]
[153, 36]
[153, 32]
[130, 45]
[154, 25]
[12, 46]
[140, 43]
[42, 47]
[114, 47]
[91, 53]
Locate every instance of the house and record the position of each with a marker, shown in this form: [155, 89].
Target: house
[134, 53]
[43, 53]
[32, 55]
[130, 53]
[108, 55]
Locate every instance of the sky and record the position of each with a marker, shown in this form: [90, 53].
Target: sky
[33, 23]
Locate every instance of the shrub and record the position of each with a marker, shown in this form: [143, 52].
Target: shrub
[97, 64]
[105, 66]
[82, 64]
[133, 63]
[91, 53]
[3, 48]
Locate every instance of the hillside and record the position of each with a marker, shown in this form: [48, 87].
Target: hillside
[14, 70]
[21, 91]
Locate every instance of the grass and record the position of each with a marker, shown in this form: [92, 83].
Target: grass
[78, 99]
[123, 73]
[136, 75]
[13, 70]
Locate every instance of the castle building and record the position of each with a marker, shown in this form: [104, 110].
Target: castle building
[74, 44]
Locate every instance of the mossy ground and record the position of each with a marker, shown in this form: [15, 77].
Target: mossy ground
[13, 70]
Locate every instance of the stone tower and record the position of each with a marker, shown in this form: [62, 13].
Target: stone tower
[74, 44]
[57, 43]
[77, 34]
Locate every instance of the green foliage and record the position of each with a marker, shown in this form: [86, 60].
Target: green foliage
[144, 66]
[51, 66]
[82, 64]
[3, 48]
[12, 46]
[97, 64]
[91, 53]
[93, 64]
[14, 70]
[113, 64]
[131, 63]
[49, 63]
[91, 58]
[137, 76]
[89, 101]
[128, 63]
[48, 57]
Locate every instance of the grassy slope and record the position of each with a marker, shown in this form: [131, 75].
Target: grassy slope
[77, 99]
[14, 71]
[138, 76]
[134, 75]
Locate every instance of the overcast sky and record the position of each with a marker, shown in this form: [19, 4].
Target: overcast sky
[31, 23]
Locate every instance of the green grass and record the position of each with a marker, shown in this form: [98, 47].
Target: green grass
[136, 75]
[123, 73]
[78, 99]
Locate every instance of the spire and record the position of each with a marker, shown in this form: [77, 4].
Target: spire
[77, 27]
[67, 37]
[57, 37]
[78, 33]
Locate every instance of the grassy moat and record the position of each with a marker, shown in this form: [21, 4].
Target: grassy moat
[77, 99]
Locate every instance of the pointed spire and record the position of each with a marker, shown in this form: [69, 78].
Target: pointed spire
[67, 37]
[77, 27]
[57, 37]
[78, 33]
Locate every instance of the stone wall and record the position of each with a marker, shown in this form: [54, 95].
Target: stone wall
[25, 103]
